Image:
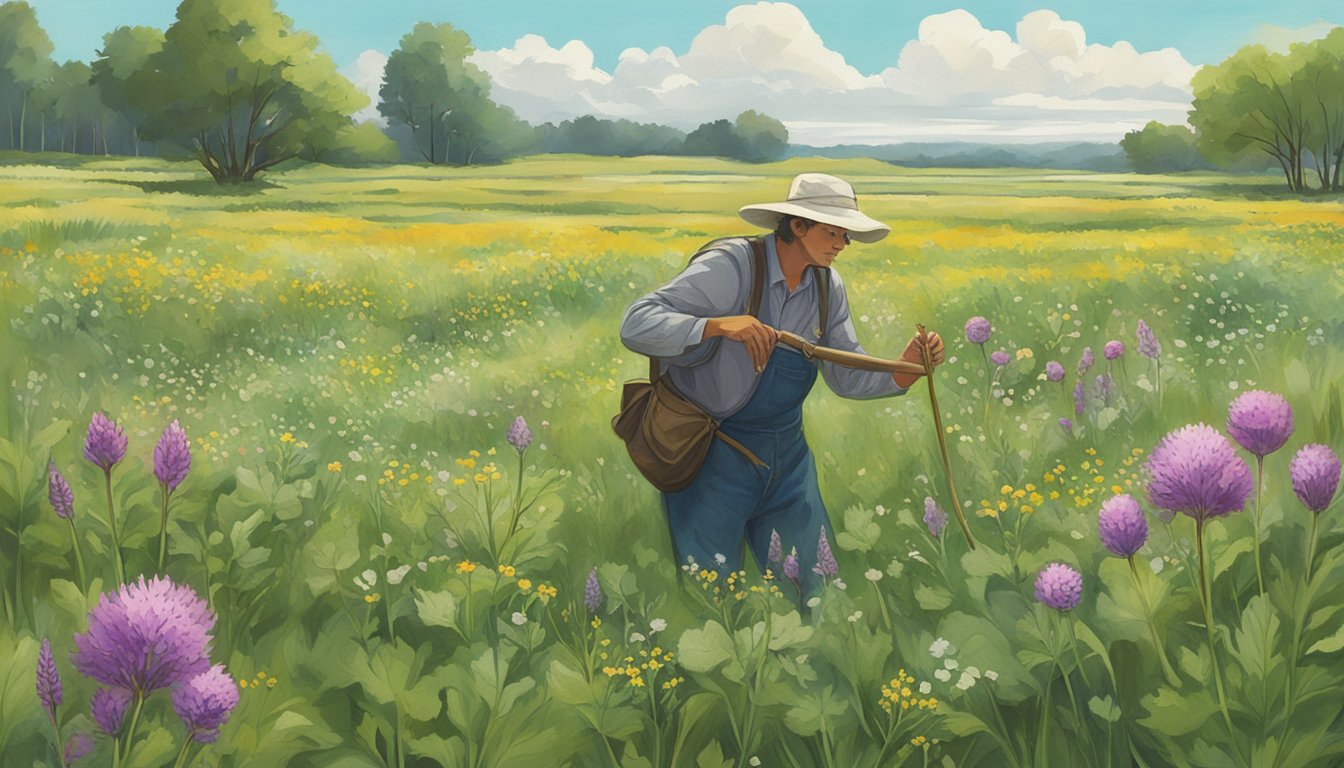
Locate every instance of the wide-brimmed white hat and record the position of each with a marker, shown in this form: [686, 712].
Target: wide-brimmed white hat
[819, 197]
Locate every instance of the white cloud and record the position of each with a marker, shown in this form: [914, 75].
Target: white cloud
[367, 74]
[957, 80]
[1279, 39]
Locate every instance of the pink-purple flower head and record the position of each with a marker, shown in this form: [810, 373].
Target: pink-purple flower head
[1122, 526]
[1260, 421]
[826, 566]
[1315, 474]
[78, 747]
[204, 703]
[1148, 344]
[1059, 587]
[172, 456]
[105, 444]
[1195, 470]
[109, 708]
[146, 636]
[1113, 349]
[934, 517]
[1000, 358]
[592, 592]
[59, 494]
[48, 679]
[1066, 424]
[518, 435]
[1079, 398]
[1085, 362]
[1054, 371]
[790, 566]
[977, 330]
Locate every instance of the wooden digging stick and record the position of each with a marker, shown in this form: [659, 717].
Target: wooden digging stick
[942, 440]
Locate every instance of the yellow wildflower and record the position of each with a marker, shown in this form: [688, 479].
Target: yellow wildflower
[524, 585]
[466, 566]
[334, 466]
[288, 437]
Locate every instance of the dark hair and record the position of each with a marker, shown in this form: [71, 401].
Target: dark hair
[784, 229]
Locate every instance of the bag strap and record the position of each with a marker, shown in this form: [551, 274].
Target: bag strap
[822, 277]
[757, 282]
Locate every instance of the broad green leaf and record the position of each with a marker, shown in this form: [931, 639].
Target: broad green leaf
[152, 749]
[1105, 708]
[1330, 644]
[1255, 638]
[808, 715]
[436, 609]
[701, 650]
[787, 630]
[932, 598]
[1174, 714]
[983, 561]
[712, 757]
[446, 752]
[290, 719]
[18, 697]
[860, 533]
[511, 694]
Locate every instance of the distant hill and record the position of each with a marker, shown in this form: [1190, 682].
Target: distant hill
[1085, 156]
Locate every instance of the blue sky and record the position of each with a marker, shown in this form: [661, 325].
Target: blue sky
[868, 34]
[852, 72]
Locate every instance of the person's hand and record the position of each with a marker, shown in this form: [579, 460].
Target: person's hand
[757, 336]
[914, 353]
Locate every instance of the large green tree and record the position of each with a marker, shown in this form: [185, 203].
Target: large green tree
[1288, 106]
[765, 137]
[1162, 148]
[25, 65]
[241, 89]
[431, 88]
[122, 77]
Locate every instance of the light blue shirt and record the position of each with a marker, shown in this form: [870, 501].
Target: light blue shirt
[669, 323]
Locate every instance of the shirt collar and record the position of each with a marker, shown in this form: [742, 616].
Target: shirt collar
[773, 273]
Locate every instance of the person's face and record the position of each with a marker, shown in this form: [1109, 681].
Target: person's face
[821, 242]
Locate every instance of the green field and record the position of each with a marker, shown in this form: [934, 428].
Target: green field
[346, 349]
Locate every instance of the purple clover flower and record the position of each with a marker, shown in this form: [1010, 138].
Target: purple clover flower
[518, 435]
[1122, 526]
[826, 566]
[59, 494]
[78, 747]
[1195, 470]
[1085, 362]
[1059, 587]
[1315, 473]
[592, 592]
[1105, 388]
[1260, 421]
[146, 636]
[1148, 344]
[204, 703]
[934, 517]
[1113, 349]
[48, 679]
[105, 444]
[172, 456]
[977, 330]
[776, 551]
[109, 708]
[1000, 358]
[791, 565]
[1066, 424]
[1079, 398]
[1054, 371]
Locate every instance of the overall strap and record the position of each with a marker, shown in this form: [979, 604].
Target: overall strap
[822, 277]
[758, 268]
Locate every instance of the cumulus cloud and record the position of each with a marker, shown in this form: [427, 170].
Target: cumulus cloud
[1280, 39]
[956, 80]
[367, 74]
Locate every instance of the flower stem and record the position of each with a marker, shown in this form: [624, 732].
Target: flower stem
[1167, 670]
[1077, 657]
[182, 753]
[112, 525]
[1259, 492]
[135, 721]
[1208, 625]
[163, 526]
[79, 556]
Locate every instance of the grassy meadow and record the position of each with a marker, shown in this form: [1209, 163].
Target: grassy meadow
[396, 584]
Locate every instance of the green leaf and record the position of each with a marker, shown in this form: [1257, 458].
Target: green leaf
[290, 719]
[787, 630]
[984, 562]
[701, 650]
[1104, 708]
[436, 609]
[18, 699]
[860, 533]
[421, 702]
[511, 694]
[712, 757]
[808, 716]
[1173, 714]
[1259, 627]
[445, 751]
[1330, 644]
[932, 598]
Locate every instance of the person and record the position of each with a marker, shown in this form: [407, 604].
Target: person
[726, 361]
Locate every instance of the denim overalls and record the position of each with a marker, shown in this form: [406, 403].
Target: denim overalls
[732, 498]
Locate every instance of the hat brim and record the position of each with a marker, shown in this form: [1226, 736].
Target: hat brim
[860, 227]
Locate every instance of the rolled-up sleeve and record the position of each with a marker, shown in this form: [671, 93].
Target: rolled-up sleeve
[669, 323]
[850, 382]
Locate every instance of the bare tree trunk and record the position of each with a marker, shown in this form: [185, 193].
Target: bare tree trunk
[23, 116]
[431, 133]
[135, 138]
[44, 131]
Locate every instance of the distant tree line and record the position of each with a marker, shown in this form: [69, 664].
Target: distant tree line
[1259, 110]
[233, 85]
